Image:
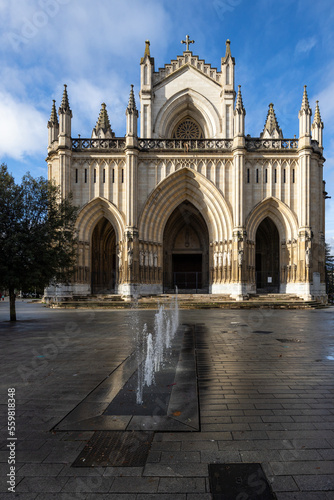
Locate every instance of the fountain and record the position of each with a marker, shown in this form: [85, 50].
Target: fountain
[153, 348]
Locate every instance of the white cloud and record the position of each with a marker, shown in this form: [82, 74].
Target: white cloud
[305, 45]
[22, 128]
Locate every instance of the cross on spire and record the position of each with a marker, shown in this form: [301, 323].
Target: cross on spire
[187, 42]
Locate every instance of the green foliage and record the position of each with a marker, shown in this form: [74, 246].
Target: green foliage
[329, 272]
[37, 233]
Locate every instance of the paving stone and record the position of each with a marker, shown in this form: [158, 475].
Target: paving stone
[182, 485]
[40, 484]
[315, 482]
[88, 484]
[162, 496]
[176, 470]
[283, 483]
[299, 467]
[135, 485]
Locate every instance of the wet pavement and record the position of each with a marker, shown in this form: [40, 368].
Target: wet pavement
[265, 381]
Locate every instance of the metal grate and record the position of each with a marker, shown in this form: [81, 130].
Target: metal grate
[239, 481]
[288, 340]
[115, 449]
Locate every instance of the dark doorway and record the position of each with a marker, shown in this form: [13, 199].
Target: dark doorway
[186, 251]
[267, 257]
[103, 268]
[187, 271]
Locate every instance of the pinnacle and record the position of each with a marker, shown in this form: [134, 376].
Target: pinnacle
[65, 106]
[147, 48]
[53, 117]
[103, 120]
[305, 103]
[103, 128]
[239, 104]
[317, 116]
[132, 102]
[271, 126]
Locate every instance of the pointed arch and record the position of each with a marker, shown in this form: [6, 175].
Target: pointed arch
[92, 212]
[185, 185]
[279, 213]
[187, 103]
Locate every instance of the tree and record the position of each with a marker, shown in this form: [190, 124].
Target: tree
[37, 234]
[329, 272]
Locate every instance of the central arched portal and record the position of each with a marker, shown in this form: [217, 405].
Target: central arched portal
[103, 268]
[267, 257]
[186, 251]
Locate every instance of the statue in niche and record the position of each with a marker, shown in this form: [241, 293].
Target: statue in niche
[150, 258]
[119, 258]
[141, 258]
[215, 258]
[308, 257]
[240, 257]
[225, 259]
[155, 259]
[130, 257]
[146, 258]
[220, 259]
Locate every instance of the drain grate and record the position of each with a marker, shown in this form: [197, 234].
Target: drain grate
[288, 340]
[262, 331]
[239, 480]
[115, 449]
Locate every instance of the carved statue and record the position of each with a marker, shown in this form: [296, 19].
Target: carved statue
[220, 256]
[141, 258]
[308, 256]
[215, 259]
[130, 257]
[120, 258]
[225, 259]
[240, 257]
[146, 258]
[150, 258]
[155, 258]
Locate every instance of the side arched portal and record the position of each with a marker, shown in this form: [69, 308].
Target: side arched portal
[186, 250]
[267, 251]
[103, 257]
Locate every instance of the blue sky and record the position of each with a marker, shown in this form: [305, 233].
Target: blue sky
[95, 48]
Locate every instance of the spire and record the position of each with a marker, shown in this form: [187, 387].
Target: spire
[53, 127]
[53, 118]
[271, 128]
[131, 118]
[65, 106]
[228, 52]
[147, 53]
[228, 48]
[317, 126]
[239, 107]
[304, 116]
[317, 117]
[103, 129]
[305, 103]
[132, 103]
[147, 48]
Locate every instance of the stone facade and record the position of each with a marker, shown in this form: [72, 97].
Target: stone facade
[193, 201]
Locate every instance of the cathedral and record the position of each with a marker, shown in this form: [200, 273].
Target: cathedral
[190, 200]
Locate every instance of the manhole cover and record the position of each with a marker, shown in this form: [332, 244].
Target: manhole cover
[115, 449]
[240, 480]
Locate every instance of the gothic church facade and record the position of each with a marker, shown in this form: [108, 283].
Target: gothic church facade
[193, 201]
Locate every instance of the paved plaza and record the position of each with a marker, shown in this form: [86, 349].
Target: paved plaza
[265, 395]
